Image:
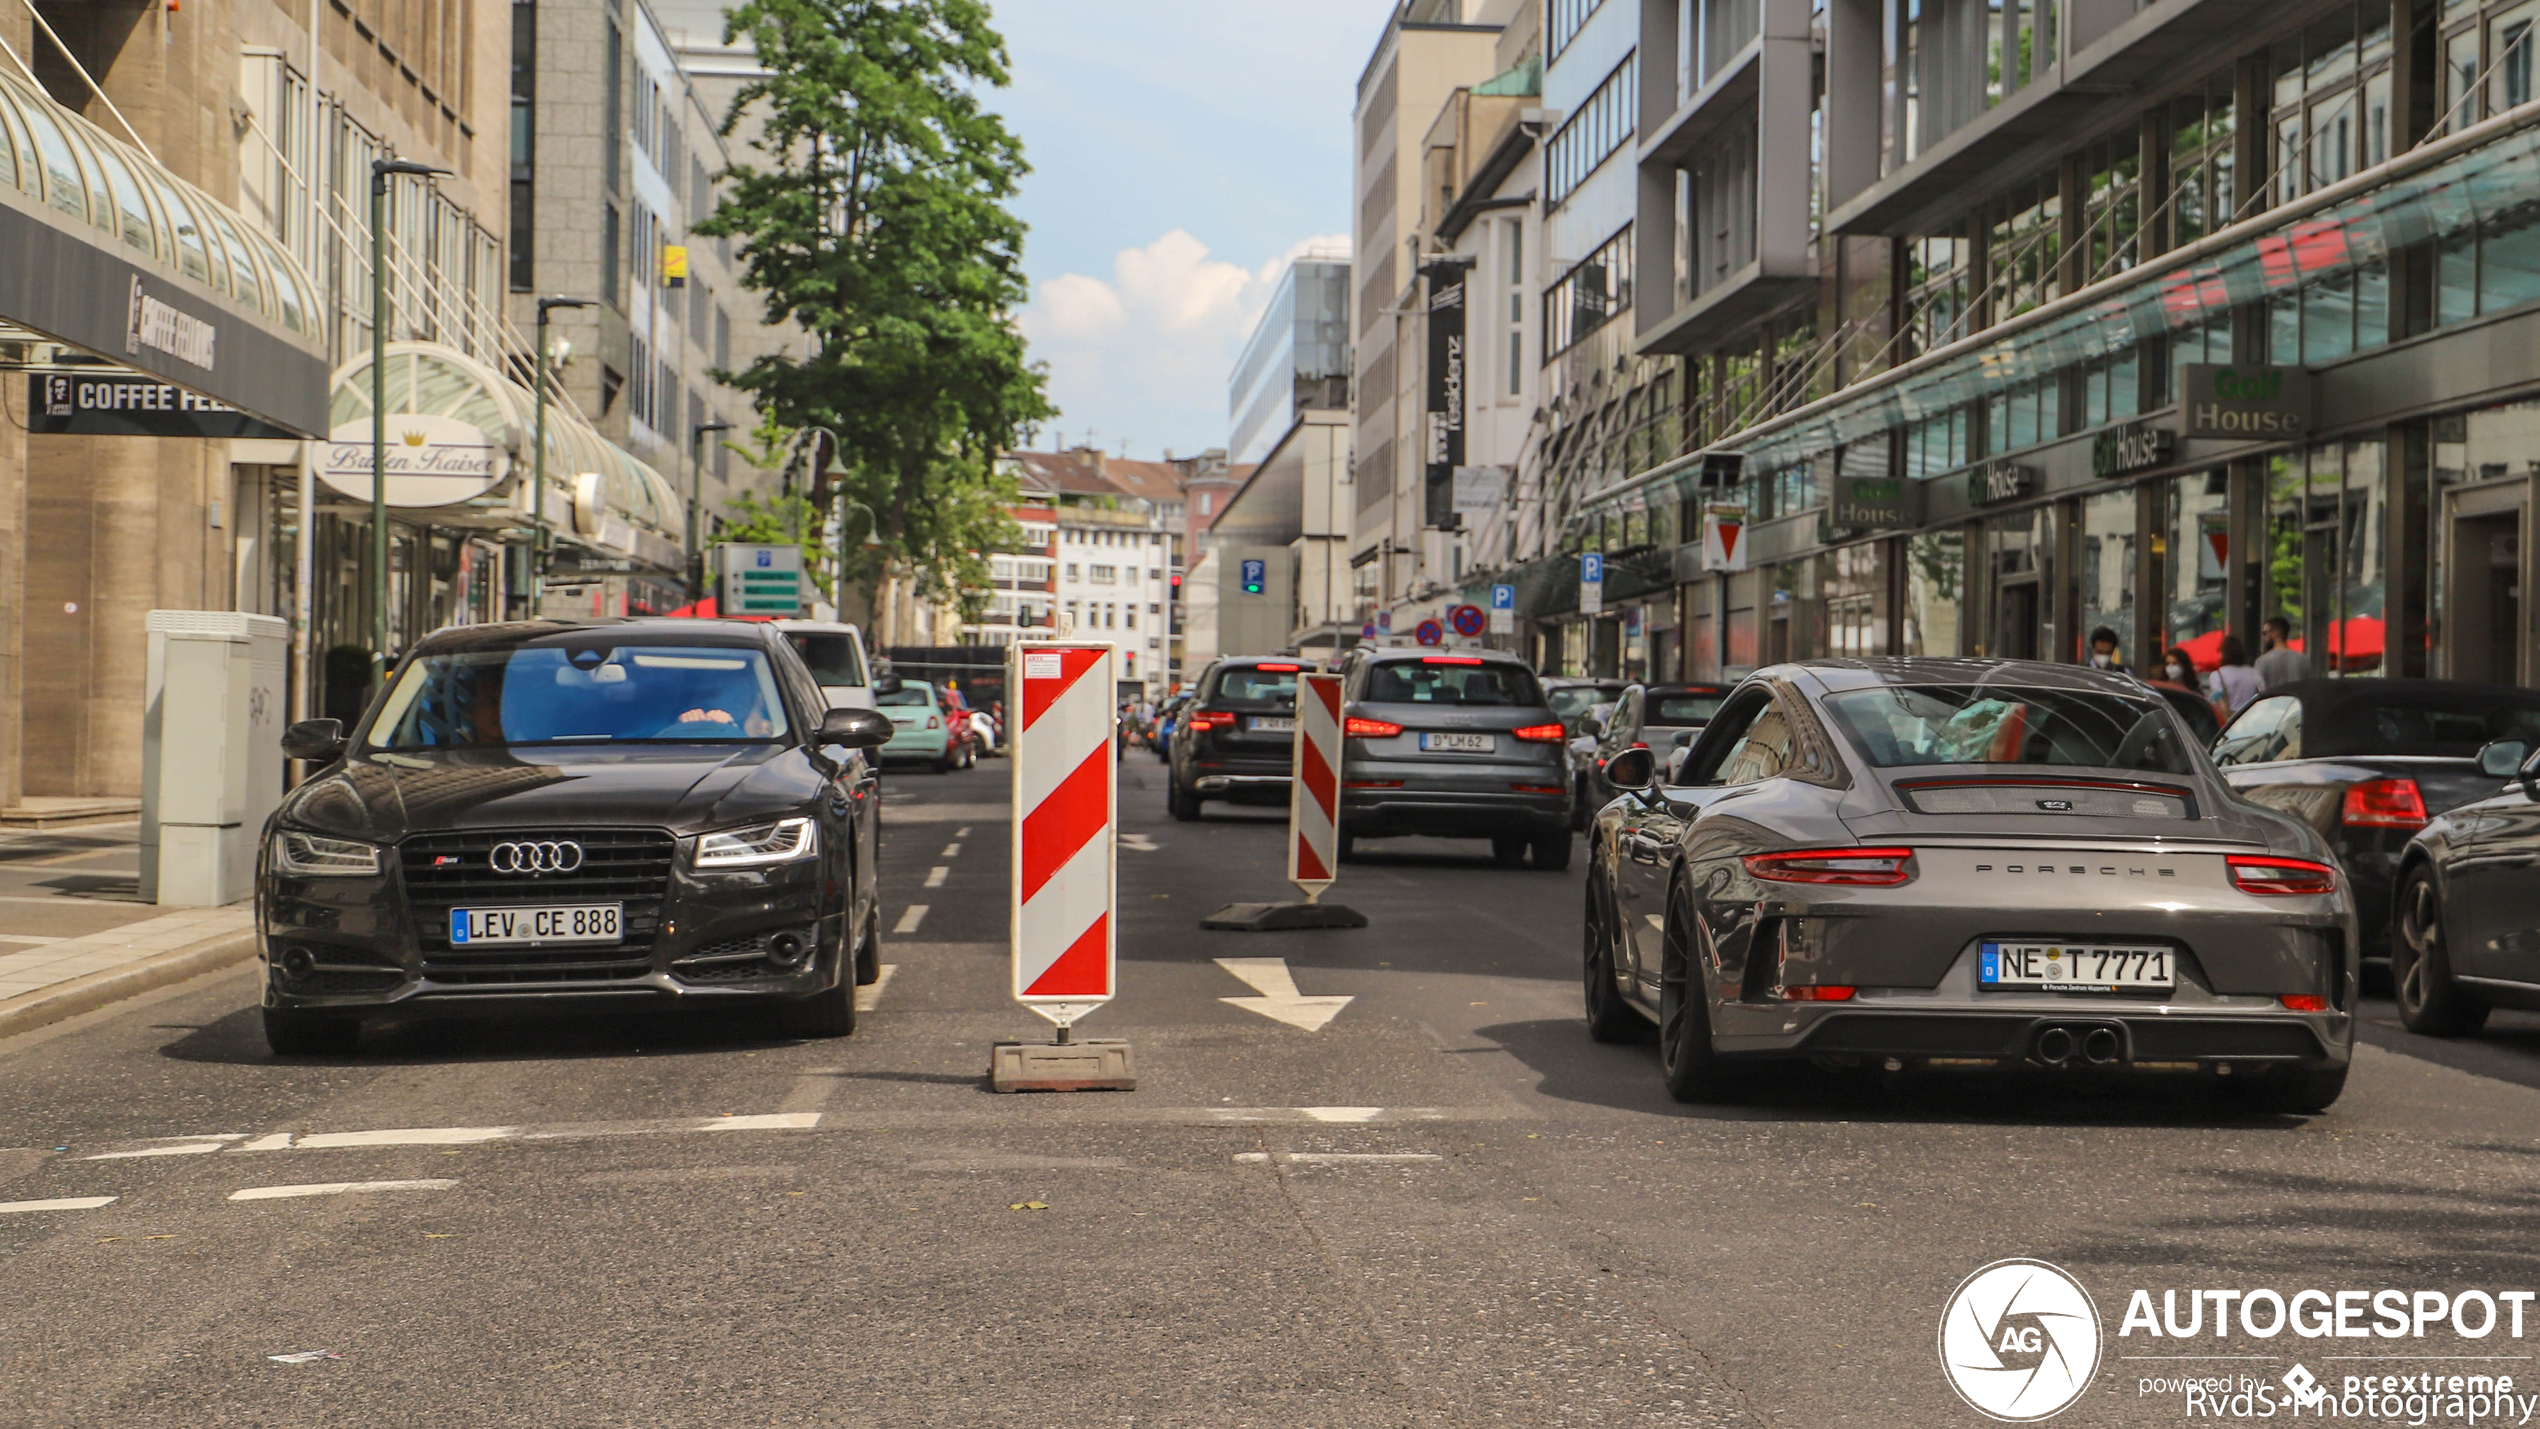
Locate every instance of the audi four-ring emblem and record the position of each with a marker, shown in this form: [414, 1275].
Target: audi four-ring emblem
[550, 857]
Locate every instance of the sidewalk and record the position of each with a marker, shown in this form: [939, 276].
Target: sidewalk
[74, 935]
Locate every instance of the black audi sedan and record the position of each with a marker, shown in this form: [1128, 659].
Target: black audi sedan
[1236, 739]
[549, 815]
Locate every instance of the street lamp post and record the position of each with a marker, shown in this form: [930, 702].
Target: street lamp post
[538, 462]
[696, 504]
[380, 169]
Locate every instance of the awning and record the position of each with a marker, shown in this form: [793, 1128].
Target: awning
[110, 253]
[459, 446]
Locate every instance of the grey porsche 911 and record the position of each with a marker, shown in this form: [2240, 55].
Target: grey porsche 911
[1965, 862]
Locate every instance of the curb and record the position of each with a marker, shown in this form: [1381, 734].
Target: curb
[112, 985]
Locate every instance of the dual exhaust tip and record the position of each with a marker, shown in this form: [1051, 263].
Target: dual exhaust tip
[2094, 1046]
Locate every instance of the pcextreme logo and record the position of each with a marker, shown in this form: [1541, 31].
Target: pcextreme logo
[2019, 1341]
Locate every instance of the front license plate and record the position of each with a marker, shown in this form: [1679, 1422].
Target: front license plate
[1274, 724]
[1457, 743]
[2071, 967]
[496, 927]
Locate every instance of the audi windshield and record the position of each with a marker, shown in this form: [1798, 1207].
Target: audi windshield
[596, 693]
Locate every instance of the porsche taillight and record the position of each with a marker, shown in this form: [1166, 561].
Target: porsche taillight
[1848, 867]
[2280, 877]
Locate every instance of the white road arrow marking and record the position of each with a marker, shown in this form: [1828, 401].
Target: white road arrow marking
[1279, 1000]
[1142, 844]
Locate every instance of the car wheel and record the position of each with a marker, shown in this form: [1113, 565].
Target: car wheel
[1609, 1018]
[293, 1033]
[1508, 850]
[2292, 1091]
[868, 956]
[1181, 803]
[2430, 1002]
[1691, 1066]
[829, 1013]
[1552, 851]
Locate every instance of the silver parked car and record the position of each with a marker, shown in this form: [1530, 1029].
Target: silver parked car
[1453, 746]
[1980, 861]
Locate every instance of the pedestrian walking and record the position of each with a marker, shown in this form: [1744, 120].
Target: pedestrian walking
[2279, 662]
[2177, 672]
[2232, 686]
[2106, 650]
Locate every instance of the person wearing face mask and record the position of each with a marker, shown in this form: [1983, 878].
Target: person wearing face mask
[2104, 646]
[2177, 672]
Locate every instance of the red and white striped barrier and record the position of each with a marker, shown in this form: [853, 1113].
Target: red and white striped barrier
[1065, 806]
[1314, 792]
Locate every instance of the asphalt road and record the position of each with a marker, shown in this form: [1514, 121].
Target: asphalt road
[1443, 1207]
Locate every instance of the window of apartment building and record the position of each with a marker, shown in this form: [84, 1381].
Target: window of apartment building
[1155, 573]
[2027, 414]
[1512, 241]
[1103, 575]
[1715, 210]
[611, 384]
[612, 110]
[1567, 16]
[645, 248]
[1936, 292]
[639, 397]
[1588, 138]
[1075, 571]
[2331, 99]
[2024, 249]
[2203, 193]
[722, 338]
[2111, 207]
[1129, 618]
[1589, 295]
[610, 287]
[524, 149]
[1936, 444]
[1708, 33]
[1155, 608]
[647, 111]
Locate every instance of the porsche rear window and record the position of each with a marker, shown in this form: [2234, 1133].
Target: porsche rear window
[1902, 725]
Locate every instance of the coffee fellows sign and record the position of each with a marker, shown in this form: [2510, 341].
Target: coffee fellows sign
[431, 461]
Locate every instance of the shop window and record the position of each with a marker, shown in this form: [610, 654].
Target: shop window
[1935, 571]
[2108, 572]
[2324, 565]
[2191, 550]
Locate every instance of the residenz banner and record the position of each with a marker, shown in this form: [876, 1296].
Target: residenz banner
[431, 461]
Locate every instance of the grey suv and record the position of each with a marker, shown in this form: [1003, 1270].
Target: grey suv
[1453, 746]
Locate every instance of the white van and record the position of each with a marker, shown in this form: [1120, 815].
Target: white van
[835, 653]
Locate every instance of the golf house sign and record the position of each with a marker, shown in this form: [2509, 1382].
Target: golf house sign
[431, 460]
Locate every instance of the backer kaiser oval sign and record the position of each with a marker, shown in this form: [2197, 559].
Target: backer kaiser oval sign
[431, 461]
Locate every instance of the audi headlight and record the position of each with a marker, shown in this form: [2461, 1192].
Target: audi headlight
[316, 855]
[758, 845]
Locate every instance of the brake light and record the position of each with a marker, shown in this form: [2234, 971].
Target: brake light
[1820, 992]
[933, 723]
[1538, 788]
[1358, 728]
[2383, 804]
[1540, 733]
[1450, 660]
[1280, 669]
[2280, 877]
[2303, 1002]
[1849, 867]
[1375, 783]
[1205, 720]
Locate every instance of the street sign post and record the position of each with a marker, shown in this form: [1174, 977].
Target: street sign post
[1063, 929]
[1503, 610]
[762, 580]
[1314, 820]
[1592, 583]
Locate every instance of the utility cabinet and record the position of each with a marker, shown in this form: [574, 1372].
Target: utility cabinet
[211, 753]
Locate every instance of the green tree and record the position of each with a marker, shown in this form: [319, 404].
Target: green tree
[873, 213]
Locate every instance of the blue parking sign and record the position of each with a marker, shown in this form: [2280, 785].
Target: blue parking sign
[1503, 597]
[1592, 568]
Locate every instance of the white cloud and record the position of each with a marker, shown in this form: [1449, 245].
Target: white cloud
[1145, 355]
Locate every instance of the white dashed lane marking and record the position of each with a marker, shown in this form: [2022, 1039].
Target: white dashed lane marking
[962, 833]
[909, 920]
[338, 1188]
[177, 1146]
[66, 1203]
[1335, 1158]
[481, 1135]
[935, 876]
[950, 851]
[869, 996]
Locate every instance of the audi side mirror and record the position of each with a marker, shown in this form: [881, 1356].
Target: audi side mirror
[320, 741]
[1632, 770]
[2503, 758]
[855, 728]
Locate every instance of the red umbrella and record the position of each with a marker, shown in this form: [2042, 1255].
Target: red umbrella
[2205, 650]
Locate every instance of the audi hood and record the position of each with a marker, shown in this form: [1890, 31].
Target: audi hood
[381, 797]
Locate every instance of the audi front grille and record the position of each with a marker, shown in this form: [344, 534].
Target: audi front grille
[446, 871]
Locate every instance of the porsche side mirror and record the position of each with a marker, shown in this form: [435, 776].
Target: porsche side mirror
[320, 741]
[1632, 770]
[855, 728]
[2503, 758]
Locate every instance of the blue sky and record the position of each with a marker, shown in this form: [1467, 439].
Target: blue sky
[1181, 152]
